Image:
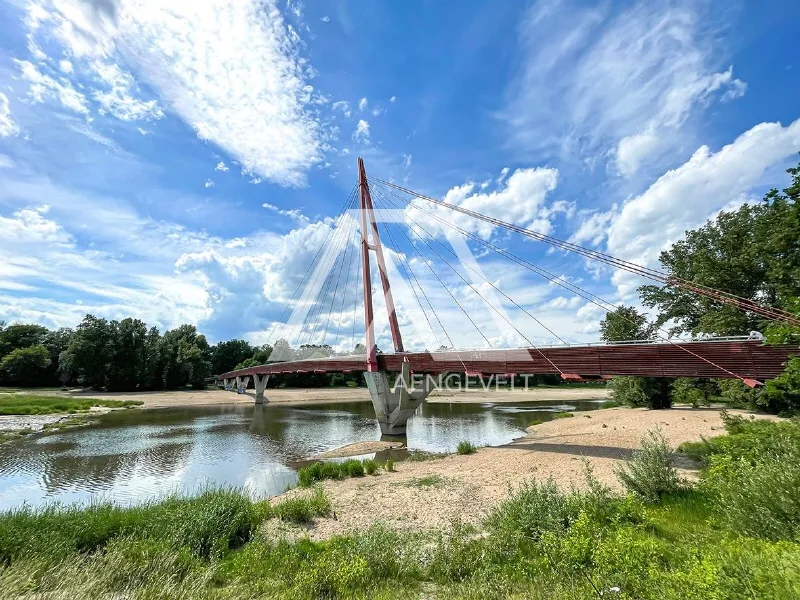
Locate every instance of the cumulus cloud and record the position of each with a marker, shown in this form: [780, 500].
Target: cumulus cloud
[295, 214]
[221, 166]
[231, 71]
[121, 97]
[597, 85]
[520, 201]
[362, 104]
[343, 106]
[685, 197]
[361, 134]
[209, 183]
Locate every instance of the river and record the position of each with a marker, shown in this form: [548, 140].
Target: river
[134, 455]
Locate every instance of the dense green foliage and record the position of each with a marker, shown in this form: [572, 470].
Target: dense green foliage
[28, 404]
[650, 474]
[25, 366]
[542, 543]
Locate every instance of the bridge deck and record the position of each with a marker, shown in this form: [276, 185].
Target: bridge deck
[745, 358]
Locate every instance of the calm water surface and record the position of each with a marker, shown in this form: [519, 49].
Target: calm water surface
[131, 456]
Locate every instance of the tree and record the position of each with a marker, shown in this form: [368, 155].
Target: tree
[625, 323]
[26, 366]
[753, 252]
[91, 349]
[18, 336]
[226, 355]
[66, 368]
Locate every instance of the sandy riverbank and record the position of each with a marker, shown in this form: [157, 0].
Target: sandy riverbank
[331, 395]
[469, 486]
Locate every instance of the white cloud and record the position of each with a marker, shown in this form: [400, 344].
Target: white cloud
[593, 228]
[65, 66]
[325, 19]
[44, 87]
[520, 201]
[221, 166]
[361, 134]
[295, 214]
[685, 197]
[393, 99]
[230, 70]
[7, 125]
[362, 104]
[378, 110]
[121, 99]
[618, 86]
[6, 162]
[344, 106]
[209, 183]
[503, 174]
[407, 161]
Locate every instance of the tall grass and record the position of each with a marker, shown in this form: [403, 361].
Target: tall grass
[466, 447]
[303, 509]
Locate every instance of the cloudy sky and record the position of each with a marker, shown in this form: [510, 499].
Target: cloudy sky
[184, 161]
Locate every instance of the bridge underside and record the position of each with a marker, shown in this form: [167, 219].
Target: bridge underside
[715, 359]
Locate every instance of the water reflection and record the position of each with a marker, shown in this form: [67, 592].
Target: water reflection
[131, 456]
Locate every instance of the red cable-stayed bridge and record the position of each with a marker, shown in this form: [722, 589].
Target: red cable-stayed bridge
[353, 238]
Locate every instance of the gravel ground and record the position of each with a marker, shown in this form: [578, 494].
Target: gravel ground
[467, 487]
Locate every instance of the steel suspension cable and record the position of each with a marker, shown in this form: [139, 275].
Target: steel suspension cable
[719, 295]
[311, 264]
[336, 288]
[346, 288]
[479, 274]
[600, 302]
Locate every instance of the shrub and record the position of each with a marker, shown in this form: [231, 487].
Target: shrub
[737, 394]
[649, 474]
[782, 394]
[693, 390]
[533, 509]
[352, 468]
[370, 466]
[389, 465]
[304, 509]
[466, 447]
[652, 392]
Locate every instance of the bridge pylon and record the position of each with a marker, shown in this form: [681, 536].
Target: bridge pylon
[392, 407]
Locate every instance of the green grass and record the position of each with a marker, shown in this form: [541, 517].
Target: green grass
[320, 471]
[466, 447]
[303, 509]
[423, 455]
[28, 404]
[562, 415]
[542, 542]
[427, 481]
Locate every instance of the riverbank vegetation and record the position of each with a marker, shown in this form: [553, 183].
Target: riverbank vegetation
[735, 534]
[29, 404]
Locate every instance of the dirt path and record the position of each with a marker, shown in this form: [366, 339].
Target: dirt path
[431, 494]
[300, 396]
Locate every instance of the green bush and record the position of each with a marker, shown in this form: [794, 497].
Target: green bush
[370, 466]
[303, 509]
[466, 447]
[737, 394]
[319, 471]
[649, 474]
[693, 390]
[533, 509]
[652, 392]
[353, 468]
[389, 465]
[754, 478]
[782, 394]
[562, 415]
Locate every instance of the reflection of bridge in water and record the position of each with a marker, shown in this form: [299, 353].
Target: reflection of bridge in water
[746, 359]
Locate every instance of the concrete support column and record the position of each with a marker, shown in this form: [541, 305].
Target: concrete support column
[260, 382]
[225, 383]
[238, 383]
[393, 408]
[245, 383]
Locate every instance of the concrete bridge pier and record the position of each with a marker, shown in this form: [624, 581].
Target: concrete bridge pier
[238, 383]
[260, 382]
[394, 407]
[225, 383]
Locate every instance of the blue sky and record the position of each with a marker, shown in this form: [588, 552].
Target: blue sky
[184, 165]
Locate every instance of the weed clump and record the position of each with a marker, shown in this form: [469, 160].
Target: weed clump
[304, 509]
[466, 447]
[370, 466]
[562, 415]
[649, 474]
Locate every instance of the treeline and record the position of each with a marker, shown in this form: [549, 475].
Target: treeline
[127, 355]
[753, 252]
